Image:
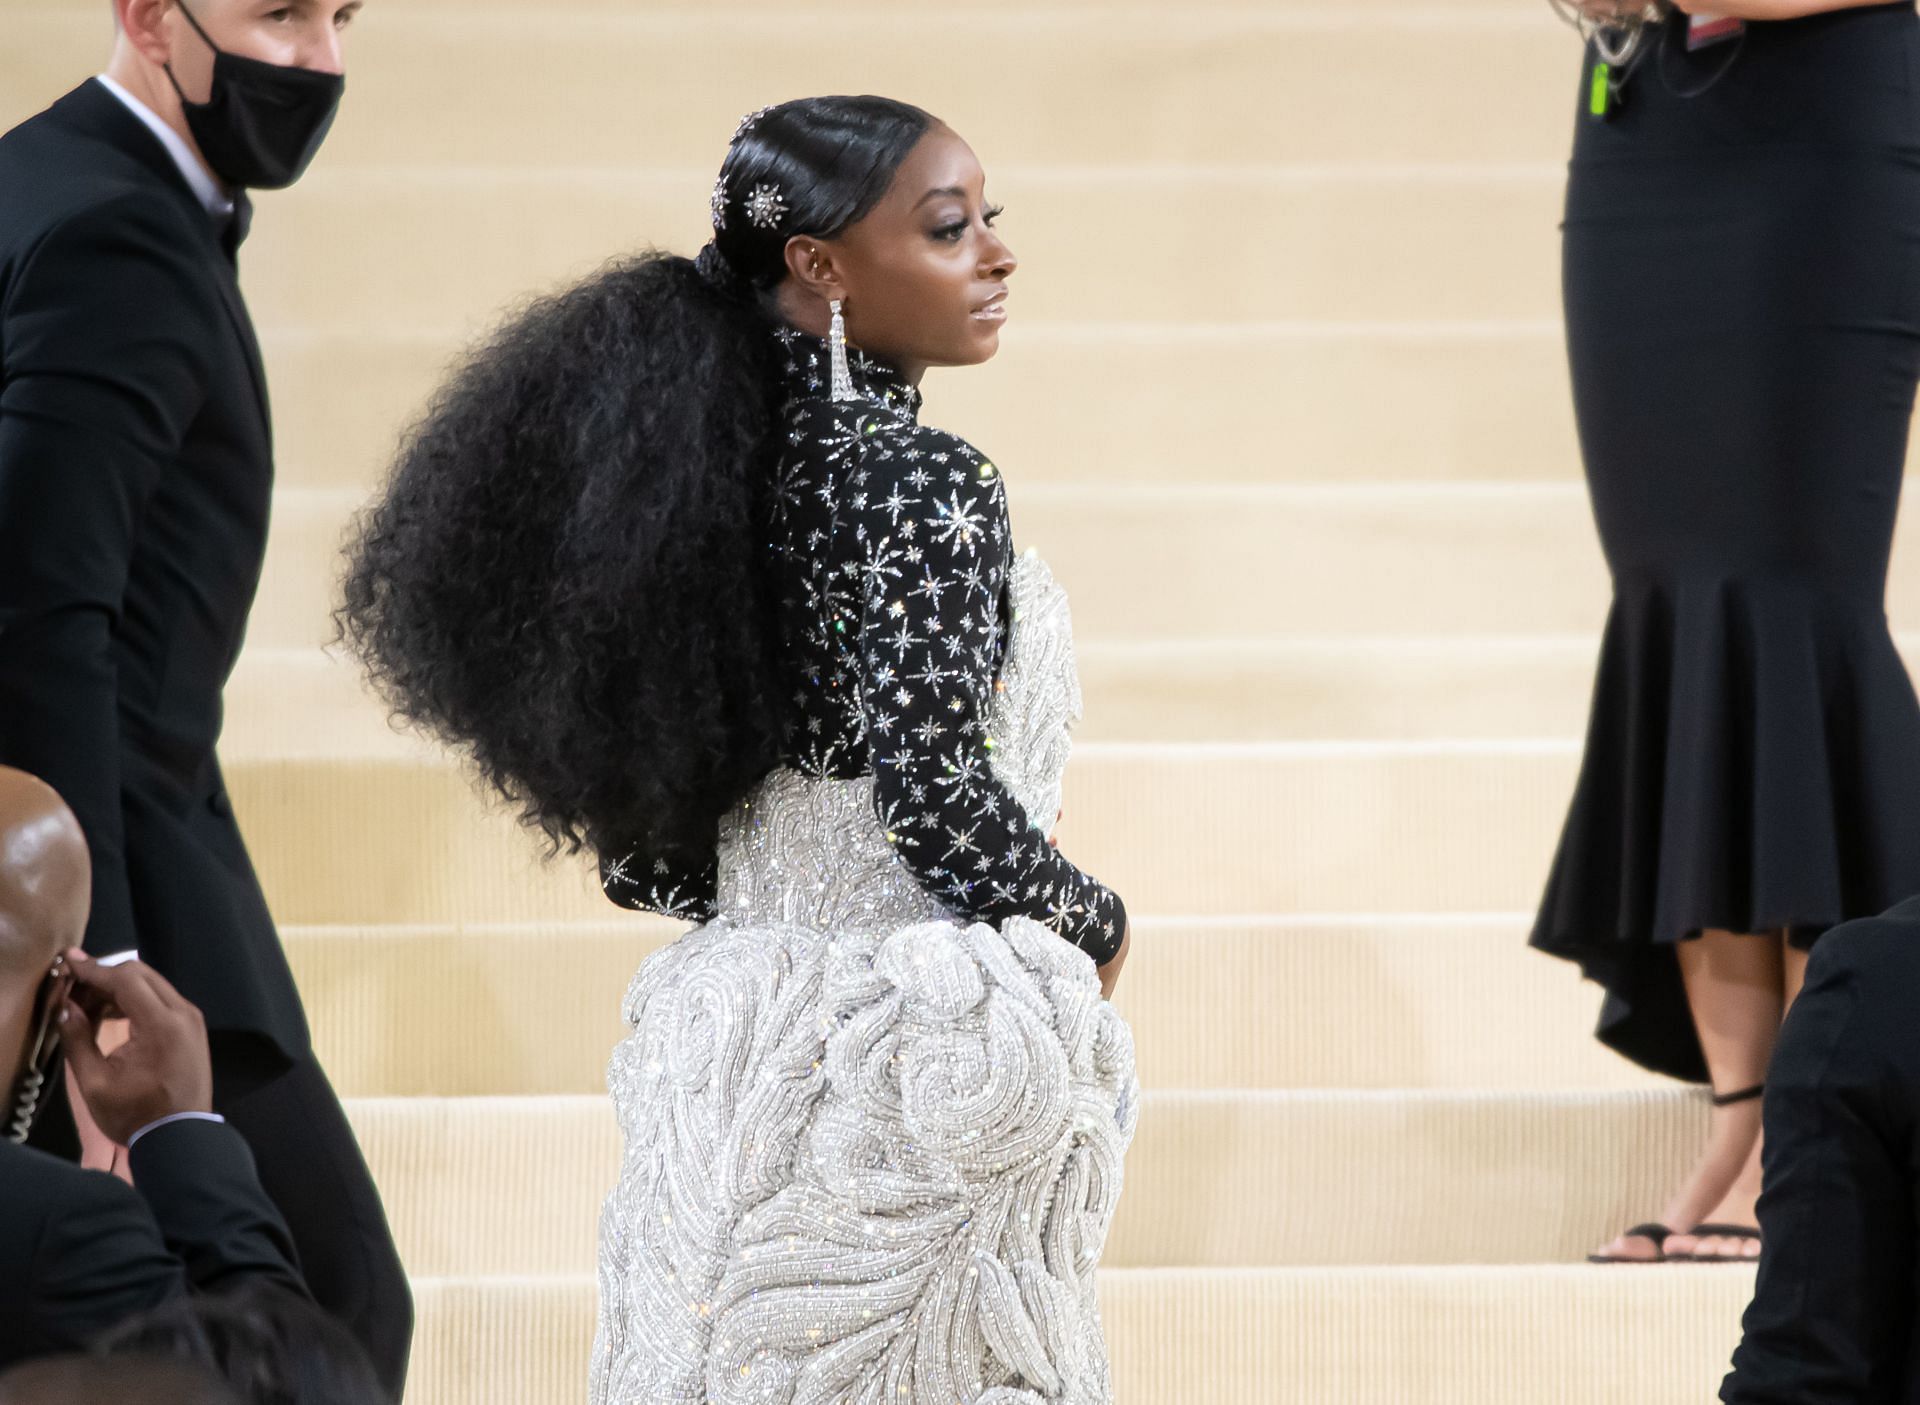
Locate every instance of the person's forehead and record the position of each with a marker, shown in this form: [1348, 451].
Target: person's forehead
[242, 8]
[939, 161]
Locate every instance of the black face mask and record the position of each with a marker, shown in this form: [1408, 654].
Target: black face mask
[263, 122]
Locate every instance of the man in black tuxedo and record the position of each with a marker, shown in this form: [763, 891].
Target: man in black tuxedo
[136, 475]
[1835, 1317]
[79, 1251]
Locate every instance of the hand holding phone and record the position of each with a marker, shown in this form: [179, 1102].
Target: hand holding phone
[162, 1068]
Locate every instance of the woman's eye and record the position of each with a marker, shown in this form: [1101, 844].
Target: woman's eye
[951, 232]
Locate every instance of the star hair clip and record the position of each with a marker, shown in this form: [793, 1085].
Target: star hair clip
[765, 207]
[718, 204]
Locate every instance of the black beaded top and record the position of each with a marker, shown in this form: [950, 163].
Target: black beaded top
[891, 548]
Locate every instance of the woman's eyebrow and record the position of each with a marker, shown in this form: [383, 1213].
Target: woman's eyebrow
[953, 190]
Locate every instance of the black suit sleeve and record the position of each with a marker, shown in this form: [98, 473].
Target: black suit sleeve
[1834, 1300]
[199, 1180]
[198, 1223]
[105, 338]
[98, 1261]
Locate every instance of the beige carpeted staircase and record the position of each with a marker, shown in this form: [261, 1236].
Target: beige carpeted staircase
[1284, 402]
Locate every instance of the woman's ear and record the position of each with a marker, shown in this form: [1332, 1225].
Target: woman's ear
[810, 264]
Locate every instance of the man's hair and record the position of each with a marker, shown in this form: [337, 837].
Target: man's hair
[270, 1346]
[137, 1380]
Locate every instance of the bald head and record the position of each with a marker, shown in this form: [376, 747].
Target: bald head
[46, 877]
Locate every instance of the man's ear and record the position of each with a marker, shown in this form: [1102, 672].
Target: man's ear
[141, 21]
[811, 265]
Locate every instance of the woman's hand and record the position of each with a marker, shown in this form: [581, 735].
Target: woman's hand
[1767, 9]
[1110, 973]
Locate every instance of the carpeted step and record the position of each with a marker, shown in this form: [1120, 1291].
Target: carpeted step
[1194, 563]
[1225, 1003]
[1214, 563]
[1290, 1336]
[1308, 827]
[1214, 1179]
[395, 249]
[1101, 402]
[298, 703]
[665, 87]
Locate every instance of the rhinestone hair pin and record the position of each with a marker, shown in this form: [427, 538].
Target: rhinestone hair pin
[765, 208]
[746, 123]
[718, 204]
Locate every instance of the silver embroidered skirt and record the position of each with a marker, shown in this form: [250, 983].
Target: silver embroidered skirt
[872, 1152]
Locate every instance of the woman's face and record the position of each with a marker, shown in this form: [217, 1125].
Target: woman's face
[923, 277]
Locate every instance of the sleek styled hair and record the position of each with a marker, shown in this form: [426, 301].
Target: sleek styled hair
[268, 1346]
[563, 578]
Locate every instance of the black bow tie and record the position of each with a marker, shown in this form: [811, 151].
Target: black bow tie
[235, 234]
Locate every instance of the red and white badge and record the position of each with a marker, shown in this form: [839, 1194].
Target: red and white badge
[1703, 30]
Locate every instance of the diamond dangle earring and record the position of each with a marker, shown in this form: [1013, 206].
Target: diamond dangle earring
[837, 346]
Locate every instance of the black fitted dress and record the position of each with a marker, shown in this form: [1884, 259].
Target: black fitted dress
[1742, 285]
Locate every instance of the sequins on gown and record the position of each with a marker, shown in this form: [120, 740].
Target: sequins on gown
[874, 1107]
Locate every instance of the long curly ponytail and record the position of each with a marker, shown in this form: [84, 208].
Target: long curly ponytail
[564, 577]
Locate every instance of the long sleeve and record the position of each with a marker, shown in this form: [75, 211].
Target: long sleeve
[1834, 1303]
[200, 1182]
[97, 1261]
[104, 331]
[678, 885]
[930, 519]
[199, 1222]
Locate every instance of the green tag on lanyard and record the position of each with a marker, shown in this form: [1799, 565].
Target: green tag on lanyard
[1602, 92]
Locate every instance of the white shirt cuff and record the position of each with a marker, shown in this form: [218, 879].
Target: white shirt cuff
[134, 1140]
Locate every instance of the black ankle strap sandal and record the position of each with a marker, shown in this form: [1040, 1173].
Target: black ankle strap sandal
[1745, 1095]
[1659, 1234]
[1720, 1231]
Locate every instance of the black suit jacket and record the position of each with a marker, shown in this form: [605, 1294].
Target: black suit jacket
[136, 476]
[1835, 1318]
[81, 1251]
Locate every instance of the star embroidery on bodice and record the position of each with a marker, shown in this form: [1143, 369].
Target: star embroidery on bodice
[891, 554]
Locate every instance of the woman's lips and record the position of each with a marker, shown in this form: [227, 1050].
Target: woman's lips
[994, 309]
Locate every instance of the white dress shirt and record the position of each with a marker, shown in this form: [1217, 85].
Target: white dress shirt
[209, 192]
[158, 1123]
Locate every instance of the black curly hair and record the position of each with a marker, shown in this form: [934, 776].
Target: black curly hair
[564, 575]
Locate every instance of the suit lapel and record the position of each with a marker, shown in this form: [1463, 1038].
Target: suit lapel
[226, 276]
[93, 111]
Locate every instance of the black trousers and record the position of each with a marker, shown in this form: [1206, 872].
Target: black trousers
[311, 1166]
[1833, 1318]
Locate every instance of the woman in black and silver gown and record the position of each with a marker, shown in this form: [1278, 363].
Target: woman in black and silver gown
[1742, 283]
[676, 560]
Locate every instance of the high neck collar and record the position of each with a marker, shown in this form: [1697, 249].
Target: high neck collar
[216, 201]
[808, 374]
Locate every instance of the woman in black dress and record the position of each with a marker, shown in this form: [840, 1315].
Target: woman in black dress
[1742, 284]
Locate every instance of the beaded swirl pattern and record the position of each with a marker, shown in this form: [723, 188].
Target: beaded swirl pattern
[872, 1151]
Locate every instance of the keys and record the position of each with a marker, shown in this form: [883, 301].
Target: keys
[1602, 100]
